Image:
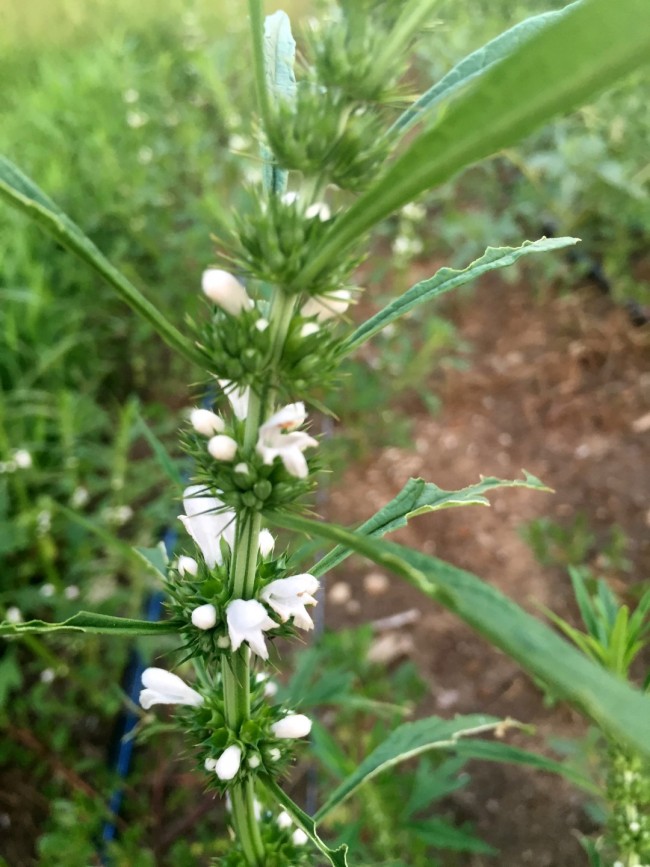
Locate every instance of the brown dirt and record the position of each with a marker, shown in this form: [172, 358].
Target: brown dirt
[555, 387]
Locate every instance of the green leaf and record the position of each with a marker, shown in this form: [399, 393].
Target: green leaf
[155, 559]
[337, 857]
[497, 751]
[23, 194]
[418, 497]
[559, 68]
[279, 58]
[445, 280]
[88, 621]
[475, 64]
[619, 710]
[441, 835]
[406, 741]
[165, 461]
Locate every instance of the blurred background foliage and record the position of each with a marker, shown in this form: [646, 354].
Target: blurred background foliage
[136, 118]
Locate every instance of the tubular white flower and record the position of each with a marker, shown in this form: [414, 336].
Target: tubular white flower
[325, 307]
[299, 838]
[278, 437]
[204, 617]
[247, 621]
[266, 543]
[207, 521]
[226, 291]
[228, 763]
[222, 447]
[187, 565]
[163, 687]
[294, 725]
[238, 397]
[289, 596]
[206, 422]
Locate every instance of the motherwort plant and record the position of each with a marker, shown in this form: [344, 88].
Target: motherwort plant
[274, 333]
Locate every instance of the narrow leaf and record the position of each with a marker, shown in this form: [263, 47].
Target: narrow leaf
[475, 64]
[165, 461]
[23, 194]
[418, 497]
[406, 741]
[447, 279]
[563, 65]
[441, 835]
[89, 622]
[337, 857]
[616, 707]
[279, 58]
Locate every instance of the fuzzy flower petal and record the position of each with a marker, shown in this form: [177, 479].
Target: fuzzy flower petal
[206, 422]
[293, 725]
[163, 687]
[207, 520]
[266, 543]
[325, 307]
[289, 596]
[247, 621]
[226, 291]
[238, 398]
[278, 437]
[228, 763]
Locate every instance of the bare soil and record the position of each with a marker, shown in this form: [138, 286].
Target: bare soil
[559, 387]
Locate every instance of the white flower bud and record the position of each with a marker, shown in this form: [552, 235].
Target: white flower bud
[210, 764]
[226, 291]
[13, 614]
[253, 761]
[187, 565]
[242, 468]
[47, 675]
[223, 642]
[22, 459]
[299, 838]
[206, 422]
[308, 329]
[267, 543]
[262, 324]
[320, 210]
[270, 689]
[228, 762]
[71, 592]
[294, 725]
[284, 820]
[222, 447]
[327, 306]
[204, 617]
[274, 754]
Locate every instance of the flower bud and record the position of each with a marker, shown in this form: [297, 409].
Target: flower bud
[284, 820]
[294, 725]
[187, 565]
[299, 838]
[309, 328]
[266, 542]
[253, 761]
[210, 764]
[222, 447]
[274, 754]
[206, 422]
[204, 617]
[262, 324]
[226, 291]
[326, 306]
[228, 763]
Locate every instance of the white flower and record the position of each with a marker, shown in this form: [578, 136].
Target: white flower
[320, 210]
[187, 565]
[308, 329]
[228, 762]
[71, 592]
[80, 497]
[13, 614]
[163, 687]
[210, 764]
[289, 596]
[294, 725]
[222, 447]
[325, 307]
[226, 291]
[206, 422]
[284, 820]
[266, 543]
[274, 754]
[47, 675]
[238, 397]
[207, 521]
[262, 325]
[204, 617]
[299, 838]
[48, 590]
[278, 437]
[22, 459]
[254, 761]
[247, 621]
